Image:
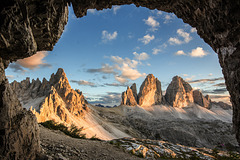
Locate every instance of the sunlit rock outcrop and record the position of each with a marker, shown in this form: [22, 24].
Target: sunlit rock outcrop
[179, 93]
[53, 99]
[201, 100]
[129, 96]
[150, 92]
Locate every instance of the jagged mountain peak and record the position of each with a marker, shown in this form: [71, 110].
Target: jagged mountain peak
[150, 91]
[179, 93]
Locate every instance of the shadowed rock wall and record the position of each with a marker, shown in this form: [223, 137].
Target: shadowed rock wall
[35, 25]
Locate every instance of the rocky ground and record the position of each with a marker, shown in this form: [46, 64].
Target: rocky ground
[57, 146]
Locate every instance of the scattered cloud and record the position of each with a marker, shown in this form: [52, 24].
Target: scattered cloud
[130, 73]
[147, 39]
[159, 49]
[115, 9]
[35, 61]
[120, 60]
[111, 98]
[121, 79]
[206, 80]
[116, 84]
[185, 75]
[198, 52]
[220, 85]
[224, 98]
[84, 83]
[168, 18]
[106, 68]
[17, 68]
[215, 91]
[210, 74]
[193, 30]
[180, 52]
[156, 51]
[184, 35]
[141, 56]
[92, 11]
[10, 76]
[106, 36]
[174, 40]
[152, 23]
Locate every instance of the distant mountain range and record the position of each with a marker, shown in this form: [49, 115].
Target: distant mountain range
[182, 115]
[179, 94]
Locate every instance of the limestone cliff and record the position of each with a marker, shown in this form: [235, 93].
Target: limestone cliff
[19, 132]
[179, 93]
[129, 97]
[53, 99]
[150, 92]
[201, 100]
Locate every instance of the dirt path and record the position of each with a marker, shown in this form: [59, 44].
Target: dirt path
[56, 145]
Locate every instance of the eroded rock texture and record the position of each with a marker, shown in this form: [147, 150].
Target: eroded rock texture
[129, 97]
[19, 132]
[201, 100]
[179, 93]
[53, 99]
[30, 26]
[150, 92]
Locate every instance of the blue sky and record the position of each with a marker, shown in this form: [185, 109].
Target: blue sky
[107, 50]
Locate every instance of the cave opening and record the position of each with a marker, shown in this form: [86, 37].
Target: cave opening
[216, 22]
[120, 46]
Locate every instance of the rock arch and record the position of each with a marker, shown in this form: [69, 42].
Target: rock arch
[35, 25]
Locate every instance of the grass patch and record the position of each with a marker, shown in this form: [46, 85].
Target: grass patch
[73, 131]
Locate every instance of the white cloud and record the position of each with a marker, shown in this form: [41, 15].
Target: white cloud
[210, 74]
[92, 11]
[176, 41]
[185, 35]
[180, 52]
[106, 68]
[84, 83]
[10, 76]
[193, 30]
[185, 75]
[115, 9]
[34, 61]
[156, 51]
[198, 52]
[152, 23]
[168, 18]
[141, 56]
[130, 73]
[120, 79]
[120, 60]
[146, 39]
[108, 36]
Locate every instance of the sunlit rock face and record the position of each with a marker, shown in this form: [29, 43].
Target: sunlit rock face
[19, 132]
[53, 99]
[179, 93]
[150, 92]
[201, 100]
[129, 97]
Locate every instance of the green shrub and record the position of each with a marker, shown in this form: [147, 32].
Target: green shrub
[73, 131]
